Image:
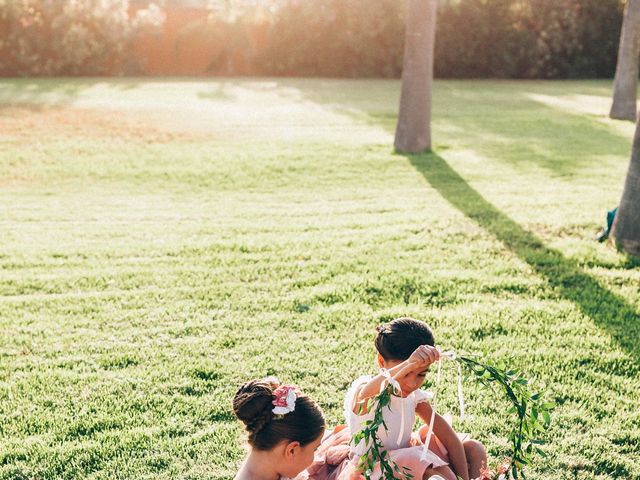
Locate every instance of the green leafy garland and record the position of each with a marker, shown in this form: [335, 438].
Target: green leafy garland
[376, 451]
[533, 419]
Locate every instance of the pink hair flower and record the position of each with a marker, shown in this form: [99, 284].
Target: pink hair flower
[285, 399]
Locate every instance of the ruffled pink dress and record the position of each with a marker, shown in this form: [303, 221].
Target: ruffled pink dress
[337, 459]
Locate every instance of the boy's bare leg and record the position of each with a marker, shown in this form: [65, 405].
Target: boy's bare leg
[476, 457]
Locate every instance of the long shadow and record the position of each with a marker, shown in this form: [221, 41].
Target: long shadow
[605, 308]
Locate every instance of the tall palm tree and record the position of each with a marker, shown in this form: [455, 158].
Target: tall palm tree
[626, 227]
[413, 131]
[626, 80]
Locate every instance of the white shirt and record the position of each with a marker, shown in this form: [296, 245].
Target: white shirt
[400, 408]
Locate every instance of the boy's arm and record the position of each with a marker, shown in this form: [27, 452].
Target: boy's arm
[421, 358]
[372, 388]
[444, 432]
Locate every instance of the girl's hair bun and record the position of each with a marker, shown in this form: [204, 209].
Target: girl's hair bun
[252, 404]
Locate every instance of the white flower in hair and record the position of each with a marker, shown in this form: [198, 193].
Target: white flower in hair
[285, 399]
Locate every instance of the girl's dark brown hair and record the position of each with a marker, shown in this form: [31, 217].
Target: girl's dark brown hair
[253, 405]
[398, 339]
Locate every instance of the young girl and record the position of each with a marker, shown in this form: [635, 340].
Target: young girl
[284, 427]
[405, 351]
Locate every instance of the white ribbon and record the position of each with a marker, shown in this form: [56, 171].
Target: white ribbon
[427, 440]
[460, 397]
[449, 355]
[389, 381]
[398, 391]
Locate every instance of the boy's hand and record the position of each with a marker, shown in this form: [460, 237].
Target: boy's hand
[424, 356]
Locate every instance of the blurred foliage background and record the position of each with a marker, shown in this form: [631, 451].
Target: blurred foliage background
[331, 38]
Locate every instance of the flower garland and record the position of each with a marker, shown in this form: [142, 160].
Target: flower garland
[532, 412]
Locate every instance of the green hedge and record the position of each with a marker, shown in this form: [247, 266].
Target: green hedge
[475, 38]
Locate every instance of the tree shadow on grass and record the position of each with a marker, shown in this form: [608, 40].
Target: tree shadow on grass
[40, 93]
[480, 116]
[607, 310]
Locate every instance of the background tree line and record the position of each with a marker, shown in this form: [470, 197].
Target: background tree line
[335, 38]
[475, 38]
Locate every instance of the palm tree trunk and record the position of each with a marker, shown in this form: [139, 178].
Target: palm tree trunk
[626, 79]
[413, 131]
[626, 227]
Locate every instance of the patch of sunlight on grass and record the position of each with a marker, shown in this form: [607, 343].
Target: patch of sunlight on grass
[234, 110]
[586, 104]
[597, 106]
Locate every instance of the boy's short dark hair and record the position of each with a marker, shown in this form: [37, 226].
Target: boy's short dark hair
[398, 339]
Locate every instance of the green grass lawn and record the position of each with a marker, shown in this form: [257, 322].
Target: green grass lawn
[164, 241]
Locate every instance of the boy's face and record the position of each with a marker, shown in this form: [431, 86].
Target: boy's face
[410, 382]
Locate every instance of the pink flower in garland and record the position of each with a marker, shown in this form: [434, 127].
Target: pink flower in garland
[285, 399]
[486, 474]
[500, 474]
[504, 468]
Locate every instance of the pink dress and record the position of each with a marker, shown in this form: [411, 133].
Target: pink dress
[337, 459]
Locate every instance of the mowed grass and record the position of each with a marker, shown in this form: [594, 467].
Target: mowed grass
[164, 241]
